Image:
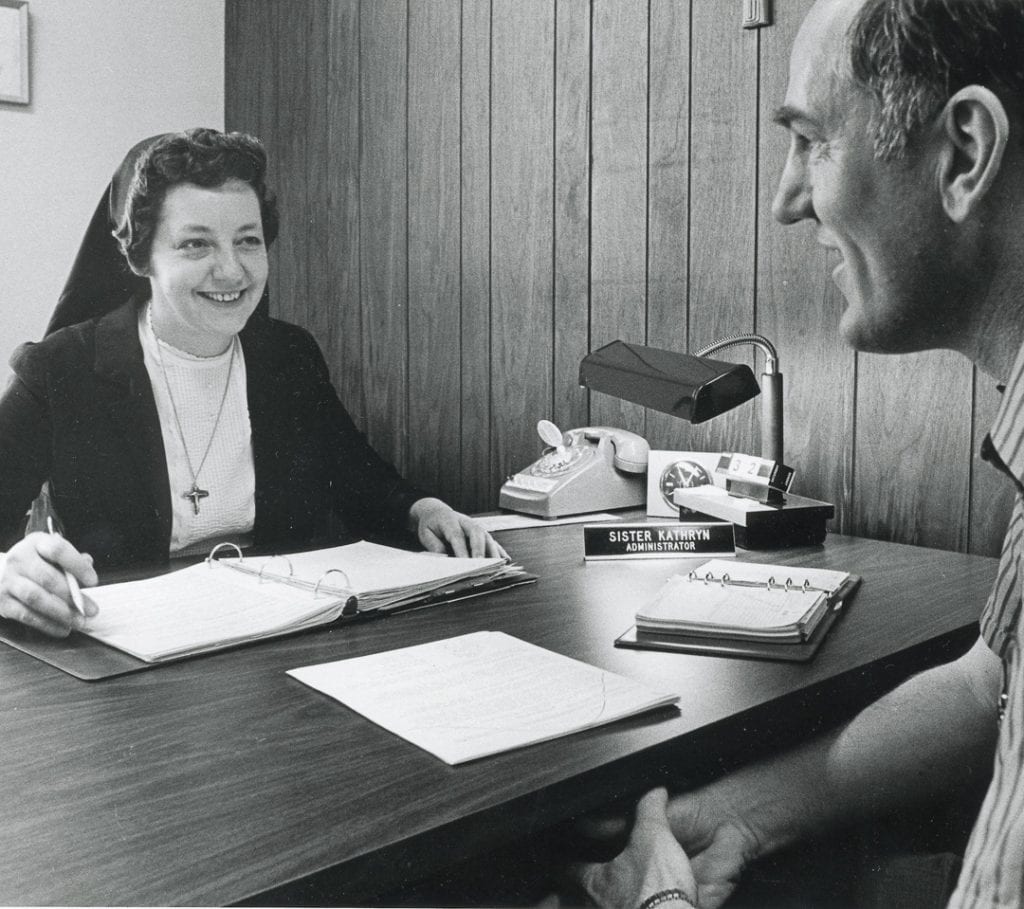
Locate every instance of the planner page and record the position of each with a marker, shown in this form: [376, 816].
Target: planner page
[741, 598]
[681, 601]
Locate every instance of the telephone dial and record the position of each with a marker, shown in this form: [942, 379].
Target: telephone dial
[594, 468]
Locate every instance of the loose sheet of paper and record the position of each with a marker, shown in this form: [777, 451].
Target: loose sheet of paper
[494, 522]
[479, 694]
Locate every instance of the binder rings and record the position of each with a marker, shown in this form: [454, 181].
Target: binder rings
[223, 603]
[743, 609]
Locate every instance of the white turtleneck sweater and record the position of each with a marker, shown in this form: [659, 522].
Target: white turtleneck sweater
[197, 387]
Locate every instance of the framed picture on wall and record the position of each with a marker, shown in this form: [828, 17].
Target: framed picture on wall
[14, 51]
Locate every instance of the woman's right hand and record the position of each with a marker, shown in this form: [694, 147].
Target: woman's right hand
[33, 589]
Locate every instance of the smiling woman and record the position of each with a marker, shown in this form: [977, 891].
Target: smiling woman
[174, 413]
[207, 266]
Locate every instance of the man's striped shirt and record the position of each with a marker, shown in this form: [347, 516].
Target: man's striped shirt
[993, 872]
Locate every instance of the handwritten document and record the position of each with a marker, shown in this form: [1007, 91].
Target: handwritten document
[478, 694]
[199, 608]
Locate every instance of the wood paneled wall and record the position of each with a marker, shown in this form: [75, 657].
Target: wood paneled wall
[475, 193]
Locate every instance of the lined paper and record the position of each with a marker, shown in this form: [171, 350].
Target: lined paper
[198, 608]
[683, 600]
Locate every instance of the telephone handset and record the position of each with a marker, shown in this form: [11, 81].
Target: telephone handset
[593, 468]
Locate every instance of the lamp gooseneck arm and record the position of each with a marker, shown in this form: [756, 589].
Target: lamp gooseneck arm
[771, 356]
[771, 390]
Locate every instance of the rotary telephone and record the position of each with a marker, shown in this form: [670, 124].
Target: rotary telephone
[594, 468]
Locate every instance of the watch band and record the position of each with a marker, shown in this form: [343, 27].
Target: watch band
[673, 894]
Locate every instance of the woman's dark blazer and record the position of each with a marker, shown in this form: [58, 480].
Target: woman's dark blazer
[80, 413]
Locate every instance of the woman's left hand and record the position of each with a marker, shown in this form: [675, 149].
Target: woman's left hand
[442, 529]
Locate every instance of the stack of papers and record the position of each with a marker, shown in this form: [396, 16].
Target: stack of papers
[382, 578]
[479, 694]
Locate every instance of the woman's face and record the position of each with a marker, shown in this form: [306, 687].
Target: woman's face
[208, 265]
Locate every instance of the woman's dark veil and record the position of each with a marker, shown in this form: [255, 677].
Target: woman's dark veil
[100, 279]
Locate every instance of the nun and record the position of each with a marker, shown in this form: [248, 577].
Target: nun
[165, 411]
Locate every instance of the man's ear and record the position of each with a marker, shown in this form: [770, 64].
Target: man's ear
[975, 131]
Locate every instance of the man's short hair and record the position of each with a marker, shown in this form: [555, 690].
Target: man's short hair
[912, 55]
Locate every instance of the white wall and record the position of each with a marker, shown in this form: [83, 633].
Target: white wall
[105, 73]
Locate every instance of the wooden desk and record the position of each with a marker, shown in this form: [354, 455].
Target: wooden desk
[220, 778]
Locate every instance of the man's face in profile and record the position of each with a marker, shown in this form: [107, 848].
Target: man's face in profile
[881, 220]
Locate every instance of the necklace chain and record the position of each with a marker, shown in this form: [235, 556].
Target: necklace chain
[195, 493]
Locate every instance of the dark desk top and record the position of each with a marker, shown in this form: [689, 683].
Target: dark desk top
[219, 778]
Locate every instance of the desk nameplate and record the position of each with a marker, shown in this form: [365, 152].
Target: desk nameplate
[669, 540]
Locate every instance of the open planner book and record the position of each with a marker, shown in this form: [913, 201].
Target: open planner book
[744, 609]
[227, 601]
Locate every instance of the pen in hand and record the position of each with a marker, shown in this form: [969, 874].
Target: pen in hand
[76, 591]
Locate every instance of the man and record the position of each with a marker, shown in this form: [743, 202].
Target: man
[906, 121]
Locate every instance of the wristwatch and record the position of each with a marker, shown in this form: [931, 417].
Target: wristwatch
[673, 896]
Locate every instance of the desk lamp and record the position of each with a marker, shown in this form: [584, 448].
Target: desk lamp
[697, 388]
[693, 387]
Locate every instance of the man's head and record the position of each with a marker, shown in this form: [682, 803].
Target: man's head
[900, 114]
[912, 56]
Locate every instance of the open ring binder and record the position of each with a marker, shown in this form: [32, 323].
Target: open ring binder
[234, 597]
[351, 606]
[291, 569]
[345, 593]
[212, 557]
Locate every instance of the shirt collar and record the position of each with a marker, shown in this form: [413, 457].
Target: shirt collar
[1007, 432]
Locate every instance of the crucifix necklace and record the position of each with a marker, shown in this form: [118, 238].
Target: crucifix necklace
[195, 493]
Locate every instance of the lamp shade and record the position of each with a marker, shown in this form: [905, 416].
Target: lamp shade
[692, 388]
